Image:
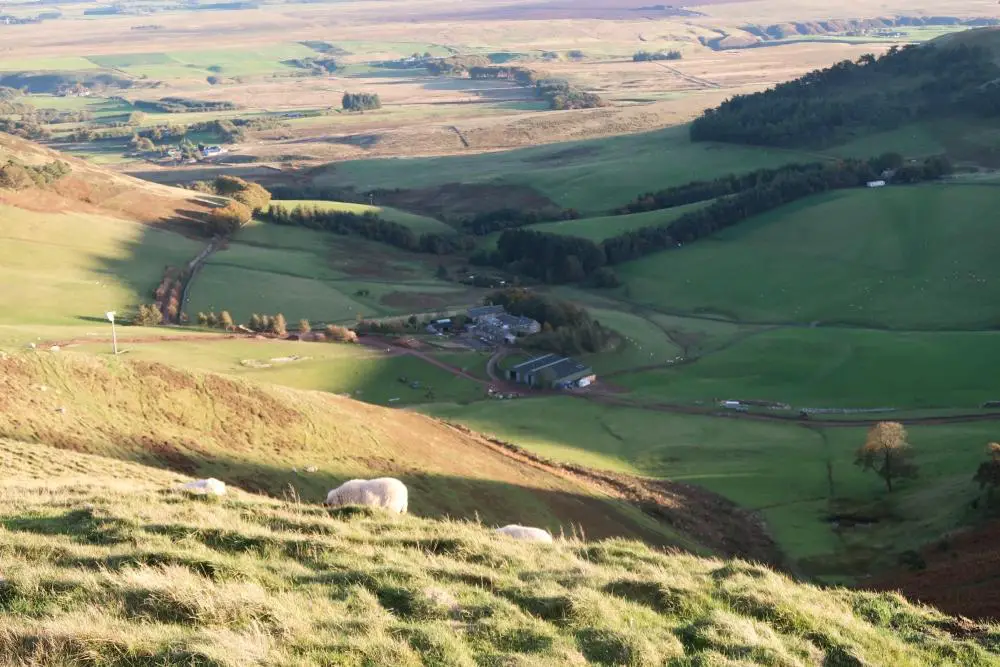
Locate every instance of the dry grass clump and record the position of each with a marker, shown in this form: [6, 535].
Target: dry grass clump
[114, 572]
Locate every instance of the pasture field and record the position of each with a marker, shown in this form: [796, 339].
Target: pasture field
[357, 371]
[839, 368]
[794, 477]
[42, 63]
[322, 277]
[602, 227]
[644, 342]
[418, 223]
[895, 257]
[591, 176]
[59, 268]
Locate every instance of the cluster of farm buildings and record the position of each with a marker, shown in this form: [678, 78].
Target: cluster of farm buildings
[495, 326]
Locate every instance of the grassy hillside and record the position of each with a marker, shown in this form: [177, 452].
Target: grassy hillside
[591, 176]
[319, 276]
[795, 477]
[896, 257]
[68, 266]
[135, 573]
[418, 223]
[603, 227]
[265, 438]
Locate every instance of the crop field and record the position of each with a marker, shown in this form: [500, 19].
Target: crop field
[842, 368]
[418, 223]
[896, 257]
[795, 477]
[69, 266]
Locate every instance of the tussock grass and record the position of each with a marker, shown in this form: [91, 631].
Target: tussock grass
[122, 570]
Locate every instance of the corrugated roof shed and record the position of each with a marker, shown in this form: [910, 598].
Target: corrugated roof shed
[534, 364]
[483, 311]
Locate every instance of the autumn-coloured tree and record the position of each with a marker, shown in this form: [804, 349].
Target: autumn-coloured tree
[227, 219]
[304, 326]
[279, 326]
[226, 321]
[988, 474]
[887, 453]
[255, 323]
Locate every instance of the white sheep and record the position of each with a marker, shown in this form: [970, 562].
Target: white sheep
[385, 492]
[210, 486]
[526, 533]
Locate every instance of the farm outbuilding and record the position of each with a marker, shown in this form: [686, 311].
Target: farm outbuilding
[552, 371]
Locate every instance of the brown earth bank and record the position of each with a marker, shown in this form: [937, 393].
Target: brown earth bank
[957, 574]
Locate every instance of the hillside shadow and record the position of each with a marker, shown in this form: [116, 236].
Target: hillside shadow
[489, 502]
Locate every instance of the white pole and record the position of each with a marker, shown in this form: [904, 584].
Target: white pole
[114, 335]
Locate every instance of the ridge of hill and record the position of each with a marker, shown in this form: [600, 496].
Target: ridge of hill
[954, 77]
[274, 439]
[104, 563]
[89, 188]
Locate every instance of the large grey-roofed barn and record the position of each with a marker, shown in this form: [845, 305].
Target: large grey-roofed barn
[483, 311]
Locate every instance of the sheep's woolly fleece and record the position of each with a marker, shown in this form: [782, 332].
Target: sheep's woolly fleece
[385, 492]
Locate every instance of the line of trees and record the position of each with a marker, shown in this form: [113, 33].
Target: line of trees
[554, 258]
[488, 222]
[183, 105]
[643, 55]
[561, 94]
[360, 101]
[871, 94]
[370, 226]
[15, 175]
[730, 184]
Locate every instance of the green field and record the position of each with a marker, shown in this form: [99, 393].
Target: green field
[354, 370]
[64, 64]
[795, 477]
[599, 228]
[592, 176]
[896, 257]
[418, 223]
[60, 268]
[304, 273]
[839, 368]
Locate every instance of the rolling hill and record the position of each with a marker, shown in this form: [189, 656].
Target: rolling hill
[104, 563]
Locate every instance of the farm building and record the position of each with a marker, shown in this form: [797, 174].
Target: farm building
[552, 371]
[479, 312]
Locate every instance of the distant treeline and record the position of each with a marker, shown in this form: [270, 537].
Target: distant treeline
[559, 93]
[225, 131]
[361, 101]
[873, 94]
[488, 222]
[555, 258]
[369, 226]
[183, 105]
[641, 56]
[321, 65]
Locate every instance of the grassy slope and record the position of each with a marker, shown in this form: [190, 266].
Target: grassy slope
[418, 223]
[315, 275]
[603, 227]
[898, 257]
[837, 368]
[258, 437]
[62, 274]
[591, 176]
[106, 562]
[795, 477]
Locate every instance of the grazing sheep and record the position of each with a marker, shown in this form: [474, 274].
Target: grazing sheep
[526, 533]
[210, 487]
[385, 492]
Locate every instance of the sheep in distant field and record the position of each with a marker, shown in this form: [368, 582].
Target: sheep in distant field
[526, 533]
[210, 487]
[385, 492]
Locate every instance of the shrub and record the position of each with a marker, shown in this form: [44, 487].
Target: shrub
[148, 316]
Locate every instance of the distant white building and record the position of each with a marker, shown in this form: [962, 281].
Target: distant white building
[876, 184]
